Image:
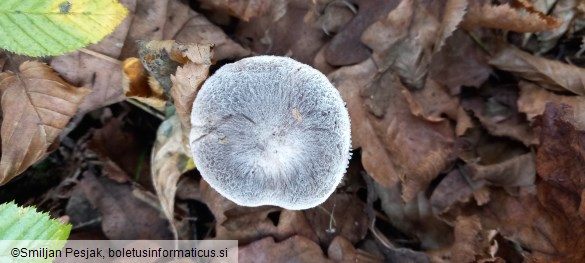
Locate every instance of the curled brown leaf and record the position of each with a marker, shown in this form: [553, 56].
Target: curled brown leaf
[549, 74]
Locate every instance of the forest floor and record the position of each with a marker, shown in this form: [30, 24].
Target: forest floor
[467, 122]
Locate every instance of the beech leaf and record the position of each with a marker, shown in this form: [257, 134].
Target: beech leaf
[36, 106]
[55, 27]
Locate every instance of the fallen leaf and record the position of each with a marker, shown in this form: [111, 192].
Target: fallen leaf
[123, 216]
[345, 48]
[415, 217]
[137, 85]
[241, 9]
[36, 105]
[397, 147]
[455, 10]
[461, 62]
[403, 40]
[533, 100]
[119, 165]
[286, 35]
[549, 74]
[341, 250]
[340, 215]
[496, 110]
[293, 249]
[524, 18]
[169, 160]
[565, 10]
[66, 26]
[432, 103]
[188, 80]
[516, 171]
[247, 224]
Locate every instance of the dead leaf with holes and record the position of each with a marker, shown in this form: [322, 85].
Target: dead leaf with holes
[36, 105]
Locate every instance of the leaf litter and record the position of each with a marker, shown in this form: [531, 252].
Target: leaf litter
[467, 123]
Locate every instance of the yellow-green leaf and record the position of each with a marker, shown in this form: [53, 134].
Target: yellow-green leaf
[25, 227]
[55, 27]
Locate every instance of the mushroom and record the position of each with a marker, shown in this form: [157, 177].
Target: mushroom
[269, 130]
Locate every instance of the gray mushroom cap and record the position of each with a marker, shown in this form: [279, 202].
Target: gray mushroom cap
[269, 130]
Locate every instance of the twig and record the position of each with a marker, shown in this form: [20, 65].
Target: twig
[101, 56]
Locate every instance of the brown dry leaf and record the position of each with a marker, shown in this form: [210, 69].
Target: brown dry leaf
[124, 217]
[107, 141]
[341, 215]
[517, 171]
[294, 249]
[533, 100]
[247, 224]
[561, 166]
[398, 147]
[137, 85]
[345, 48]
[403, 40]
[241, 9]
[566, 10]
[467, 232]
[464, 122]
[521, 18]
[169, 160]
[36, 105]
[455, 10]
[496, 110]
[341, 250]
[187, 81]
[461, 62]
[415, 217]
[549, 74]
[285, 35]
[432, 103]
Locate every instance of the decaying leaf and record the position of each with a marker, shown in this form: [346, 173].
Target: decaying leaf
[398, 147]
[188, 80]
[294, 249]
[247, 224]
[139, 86]
[455, 10]
[170, 159]
[549, 74]
[36, 106]
[533, 100]
[241, 9]
[402, 41]
[283, 35]
[123, 215]
[340, 216]
[341, 250]
[524, 18]
[497, 111]
[415, 217]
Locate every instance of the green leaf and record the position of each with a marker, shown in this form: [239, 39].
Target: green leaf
[27, 228]
[55, 27]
